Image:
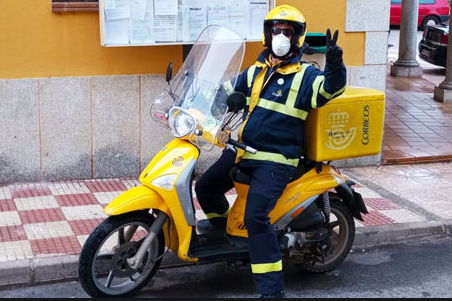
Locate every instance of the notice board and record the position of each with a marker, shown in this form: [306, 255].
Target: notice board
[169, 22]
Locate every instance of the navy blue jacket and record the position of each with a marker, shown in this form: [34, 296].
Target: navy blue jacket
[291, 89]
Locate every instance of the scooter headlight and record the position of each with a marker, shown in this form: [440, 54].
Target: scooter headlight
[165, 182]
[182, 123]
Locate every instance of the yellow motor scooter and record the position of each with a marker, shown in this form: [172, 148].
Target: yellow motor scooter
[314, 217]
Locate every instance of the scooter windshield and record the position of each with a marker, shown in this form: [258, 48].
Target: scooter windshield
[198, 88]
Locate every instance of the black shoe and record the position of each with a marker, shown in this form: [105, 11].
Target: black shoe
[280, 294]
[205, 226]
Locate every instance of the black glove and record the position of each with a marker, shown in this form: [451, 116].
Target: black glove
[333, 52]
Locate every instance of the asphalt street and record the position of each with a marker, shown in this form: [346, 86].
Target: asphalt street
[418, 269]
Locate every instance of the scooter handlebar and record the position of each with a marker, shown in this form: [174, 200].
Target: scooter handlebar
[242, 146]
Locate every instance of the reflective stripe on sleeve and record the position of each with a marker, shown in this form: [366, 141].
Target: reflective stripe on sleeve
[228, 87]
[328, 95]
[315, 90]
[263, 268]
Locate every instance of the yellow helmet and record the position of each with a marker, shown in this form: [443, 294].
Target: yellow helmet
[288, 15]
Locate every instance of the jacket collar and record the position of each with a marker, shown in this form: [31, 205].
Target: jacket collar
[289, 66]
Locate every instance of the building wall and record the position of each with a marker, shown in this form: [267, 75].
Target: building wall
[71, 109]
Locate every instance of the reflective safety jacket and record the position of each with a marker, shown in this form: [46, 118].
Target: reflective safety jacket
[279, 99]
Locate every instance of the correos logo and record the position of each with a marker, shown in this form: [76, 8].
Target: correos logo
[366, 119]
[340, 135]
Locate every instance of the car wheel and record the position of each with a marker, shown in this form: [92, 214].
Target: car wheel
[430, 20]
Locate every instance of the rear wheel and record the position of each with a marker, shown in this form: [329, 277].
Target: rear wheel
[343, 227]
[429, 20]
[103, 267]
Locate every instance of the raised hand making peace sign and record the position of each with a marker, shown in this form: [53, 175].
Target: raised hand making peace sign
[333, 52]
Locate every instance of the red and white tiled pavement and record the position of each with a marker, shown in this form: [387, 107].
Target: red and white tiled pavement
[53, 219]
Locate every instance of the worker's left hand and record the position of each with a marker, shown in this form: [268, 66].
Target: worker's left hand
[223, 137]
[333, 52]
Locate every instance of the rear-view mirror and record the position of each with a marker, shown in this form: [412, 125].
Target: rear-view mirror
[169, 72]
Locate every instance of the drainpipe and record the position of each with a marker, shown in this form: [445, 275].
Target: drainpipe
[407, 65]
[443, 92]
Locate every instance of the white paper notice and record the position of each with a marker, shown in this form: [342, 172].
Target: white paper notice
[110, 4]
[165, 20]
[117, 32]
[165, 7]
[138, 9]
[194, 18]
[121, 11]
[165, 28]
[217, 14]
[237, 13]
[142, 31]
[179, 22]
[257, 12]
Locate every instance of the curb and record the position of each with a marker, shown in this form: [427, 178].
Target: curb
[39, 271]
[399, 233]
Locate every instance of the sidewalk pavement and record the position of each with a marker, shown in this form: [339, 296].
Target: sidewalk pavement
[418, 129]
[43, 226]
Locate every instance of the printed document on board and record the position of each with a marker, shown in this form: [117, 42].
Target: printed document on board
[258, 10]
[165, 20]
[237, 17]
[117, 32]
[138, 9]
[194, 16]
[121, 10]
[217, 13]
[142, 31]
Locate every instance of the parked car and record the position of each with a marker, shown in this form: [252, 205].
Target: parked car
[433, 46]
[431, 12]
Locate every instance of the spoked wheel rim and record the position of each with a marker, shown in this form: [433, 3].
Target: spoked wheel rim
[111, 273]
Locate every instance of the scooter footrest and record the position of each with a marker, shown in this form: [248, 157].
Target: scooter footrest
[211, 245]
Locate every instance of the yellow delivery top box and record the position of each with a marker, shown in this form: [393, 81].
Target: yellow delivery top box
[348, 126]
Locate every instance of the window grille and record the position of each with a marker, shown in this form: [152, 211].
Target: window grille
[62, 6]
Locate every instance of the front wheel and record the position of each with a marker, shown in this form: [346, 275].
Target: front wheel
[342, 225]
[103, 267]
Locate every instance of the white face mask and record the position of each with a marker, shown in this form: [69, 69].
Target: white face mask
[280, 45]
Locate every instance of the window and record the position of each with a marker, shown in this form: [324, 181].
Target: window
[61, 6]
[420, 1]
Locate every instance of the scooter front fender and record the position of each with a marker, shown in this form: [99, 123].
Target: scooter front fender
[137, 198]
